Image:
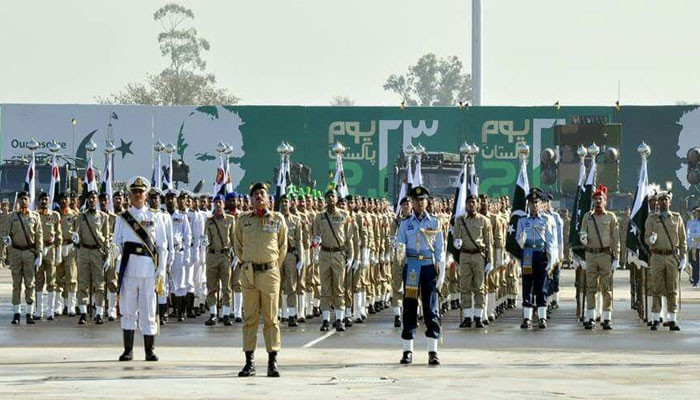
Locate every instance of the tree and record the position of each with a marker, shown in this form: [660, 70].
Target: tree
[185, 81]
[342, 101]
[432, 81]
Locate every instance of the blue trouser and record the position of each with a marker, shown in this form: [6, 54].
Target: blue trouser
[429, 297]
[534, 283]
[695, 276]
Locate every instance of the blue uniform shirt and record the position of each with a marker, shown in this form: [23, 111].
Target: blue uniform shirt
[693, 231]
[540, 232]
[409, 234]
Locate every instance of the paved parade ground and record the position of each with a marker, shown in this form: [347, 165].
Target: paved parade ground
[63, 360]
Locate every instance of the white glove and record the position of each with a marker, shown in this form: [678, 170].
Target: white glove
[316, 241]
[7, 240]
[615, 264]
[652, 238]
[75, 238]
[234, 262]
[355, 265]
[37, 262]
[550, 264]
[300, 265]
[498, 259]
[488, 268]
[348, 264]
[387, 257]
[66, 250]
[373, 257]
[365, 257]
[522, 239]
[683, 265]
[584, 237]
[105, 266]
[317, 252]
[205, 241]
[59, 258]
[441, 275]
[457, 243]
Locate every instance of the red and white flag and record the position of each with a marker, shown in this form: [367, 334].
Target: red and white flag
[30, 182]
[55, 181]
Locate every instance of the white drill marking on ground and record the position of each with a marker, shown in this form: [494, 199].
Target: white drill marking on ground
[319, 340]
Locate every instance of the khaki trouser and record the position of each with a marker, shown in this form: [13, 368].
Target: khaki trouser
[452, 278]
[492, 281]
[397, 281]
[218, 270]
[290, 279]
[313, 280]
[236, 280]
[91, 270]
[512, 281]
[46, 275]
[22, 268]
[664, 277]
[349, 282]
[261, 295]
[67, 273]
[599, 273]
[332, 268]
[111, 280]
[471, 270]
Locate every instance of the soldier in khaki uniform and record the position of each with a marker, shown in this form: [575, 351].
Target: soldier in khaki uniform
[261, 244]
[665, 235]
[600, 234]
[46, 275]
[473, 238]
[295, 208]
[111, 271]
[332, 232]
[233, 201]
[493, 279]
[360, 265]
[4, 213]
[399, 260]
[66, 270]
[312, 272]
[293, 265]
[23, 237]
[91, 235]
[353, 267]
[219, 230]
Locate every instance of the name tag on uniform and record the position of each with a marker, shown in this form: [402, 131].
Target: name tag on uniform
[527, 261]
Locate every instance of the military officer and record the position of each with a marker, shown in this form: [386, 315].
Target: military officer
[536, 236]
[154, 196]
[219, 230]
[111, 271]
[600, 233]
[67, 270]
[665, 235]
[261, 245]
[141, 242]
[420, 241]
[474, 238]
[91, 234]
[23, 236]
[182, 238]
[405, 212]
[46, 275]
[332, 232]
[292, 266]
[693, 230]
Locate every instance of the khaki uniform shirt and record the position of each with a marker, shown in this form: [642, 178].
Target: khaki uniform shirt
[51, 227]
[676, 229]
[98, 226]
[294, 234]
[32, 224]
[609, 232]
[261, 240]
[68, 217]
[224, 237]
[341, 225]
[480, 229]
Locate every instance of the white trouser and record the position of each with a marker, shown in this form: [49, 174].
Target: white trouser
[137, 304]
[178, 275]
[189, 276]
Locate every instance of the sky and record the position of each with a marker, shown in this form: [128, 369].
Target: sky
[294, 52]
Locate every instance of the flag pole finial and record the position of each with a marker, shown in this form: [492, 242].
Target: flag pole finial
[523, 150]
[644, 150]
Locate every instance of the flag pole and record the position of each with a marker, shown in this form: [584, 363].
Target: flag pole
[33, 145]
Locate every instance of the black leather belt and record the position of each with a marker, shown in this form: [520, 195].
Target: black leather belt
[22, 248]
[262, 267]
[332, 249]
[419, 257]
[222, 251]
[87, 246]
[291, 249]
[470, 251]
[593, 250]
[662, 252]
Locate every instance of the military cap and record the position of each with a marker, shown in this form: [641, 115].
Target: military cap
[102, 196]
[172, 192]
[204, 195]
[139, 183]
[484, 196]
[154, 191]
[230, 196]
[419, 192]
[219, 197]
[257, 186]
[22, 193]
[405, 199]
[329, 192]
[117, 193]
[42, 195]
[472, 196]
[664, 193]
[535, 194]
[91, 192]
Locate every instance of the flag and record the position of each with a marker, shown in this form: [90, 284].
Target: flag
[107, 184]
[168, 174]
[637, 249]
[229, 183]
[281, 189]
[522, 187]
[55, 181]
[30, 182]
[473, 187]
[220, 180]
[90, 182]
[580, 208]
[460, 204]
[409, 177]
[341, 186]
[418, 175]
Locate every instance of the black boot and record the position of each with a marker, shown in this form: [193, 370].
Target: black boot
[98, 319]
[249, 367]
[673, 326]
[606, 325]
[190, 305]
[339, 326]
[347, 321]
[324, 326]
[83, 319]
[370, 309]
[30, 320]
[127, 355]
[397, 321]
[466, 323]
[588, 325]
[292, 321]
[433, 358]
[525, 324]
[407, 357]
[163, 313]
[272, 370]
[180, 304]
[211, 321]
[477, 322]
[227, 321]
[149, 344]
[15, 319]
